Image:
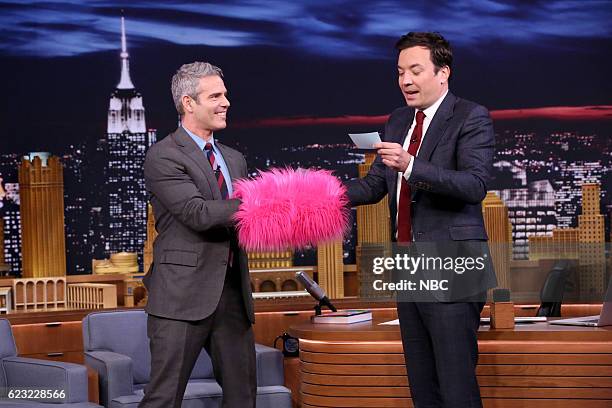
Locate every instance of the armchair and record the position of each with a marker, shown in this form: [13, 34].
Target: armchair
[117, 347]
[64, 384]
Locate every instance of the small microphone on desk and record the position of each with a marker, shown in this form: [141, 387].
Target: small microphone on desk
[315, 290]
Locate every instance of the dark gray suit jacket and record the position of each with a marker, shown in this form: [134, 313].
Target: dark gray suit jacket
[449, 176]
[195, 227]
[448, 182]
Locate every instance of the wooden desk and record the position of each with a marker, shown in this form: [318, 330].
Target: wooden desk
[533, 366]
[56, 334]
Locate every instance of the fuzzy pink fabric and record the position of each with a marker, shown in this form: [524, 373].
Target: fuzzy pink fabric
[286, 208]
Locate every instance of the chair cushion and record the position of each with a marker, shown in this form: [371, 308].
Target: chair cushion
[208, 394]
[125, 332]
[196, 390]
[274, 396]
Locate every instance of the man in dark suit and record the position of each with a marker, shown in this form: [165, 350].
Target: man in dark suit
[199, 288]
[434, 163]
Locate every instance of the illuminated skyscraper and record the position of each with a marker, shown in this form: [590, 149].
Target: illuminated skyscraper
[127, 141]
[331, 269]
[76, 212]
[585, 243]
[9, 210]
[151, 235]
[373, 225]
[12, 232]
[592, 244]
[563, 244]
[499, 230]
[532, 213]
[41, 186]
[3, 267]
[568, 194]
[373, 231]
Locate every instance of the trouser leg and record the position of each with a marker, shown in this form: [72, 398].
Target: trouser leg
[453, 328]
[231, 347]
[175, 346]
[419, 356]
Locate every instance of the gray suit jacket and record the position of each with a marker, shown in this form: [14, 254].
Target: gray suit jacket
[195, 229]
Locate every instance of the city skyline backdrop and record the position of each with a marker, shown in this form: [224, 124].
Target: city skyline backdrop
[301, 75]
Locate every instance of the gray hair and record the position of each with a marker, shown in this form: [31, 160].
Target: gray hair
[186, 79]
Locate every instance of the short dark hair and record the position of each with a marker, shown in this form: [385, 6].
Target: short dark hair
[438, 46]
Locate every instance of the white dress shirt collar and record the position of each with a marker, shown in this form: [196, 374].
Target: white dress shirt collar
[431, 111]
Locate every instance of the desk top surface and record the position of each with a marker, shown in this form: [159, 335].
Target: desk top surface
[373, 331]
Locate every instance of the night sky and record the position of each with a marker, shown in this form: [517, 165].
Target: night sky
[60, 60]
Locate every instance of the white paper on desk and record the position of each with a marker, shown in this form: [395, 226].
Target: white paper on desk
[365, 140]
[518, 319]
[390, 323]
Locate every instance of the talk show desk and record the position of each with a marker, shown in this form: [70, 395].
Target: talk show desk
[534, 365]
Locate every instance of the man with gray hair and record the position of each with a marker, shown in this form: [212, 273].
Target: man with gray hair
[198, 284]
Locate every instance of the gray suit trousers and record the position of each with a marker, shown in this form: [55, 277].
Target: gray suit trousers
[227, 336]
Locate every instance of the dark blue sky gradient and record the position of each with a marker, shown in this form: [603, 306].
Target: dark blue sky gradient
[338, 28]
[60, 60]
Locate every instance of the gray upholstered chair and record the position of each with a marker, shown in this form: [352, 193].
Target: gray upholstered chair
[19, 373]
[117, 347]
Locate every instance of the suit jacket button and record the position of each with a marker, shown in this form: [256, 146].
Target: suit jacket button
[224, 263]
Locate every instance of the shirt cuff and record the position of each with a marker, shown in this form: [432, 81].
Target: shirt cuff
[408, 171]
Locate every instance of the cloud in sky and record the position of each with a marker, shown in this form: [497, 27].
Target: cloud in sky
[341, 28]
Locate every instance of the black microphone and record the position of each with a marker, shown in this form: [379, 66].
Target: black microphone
[315, 290]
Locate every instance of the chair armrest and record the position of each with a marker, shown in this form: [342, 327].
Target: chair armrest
[35, 374]
[115, 374]
[270, 368]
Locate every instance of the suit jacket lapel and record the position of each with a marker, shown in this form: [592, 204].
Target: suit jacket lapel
[437, 127]
[191, 149]
[230, 160]
[436, 130]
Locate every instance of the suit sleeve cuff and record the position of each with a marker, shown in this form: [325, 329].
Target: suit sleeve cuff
[408, 171]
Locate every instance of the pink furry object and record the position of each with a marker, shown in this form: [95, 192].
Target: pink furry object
[286, 208]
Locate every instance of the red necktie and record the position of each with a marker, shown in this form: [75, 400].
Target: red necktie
[208, 148]
[404, 220]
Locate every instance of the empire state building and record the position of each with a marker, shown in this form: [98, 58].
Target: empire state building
[127, 141]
